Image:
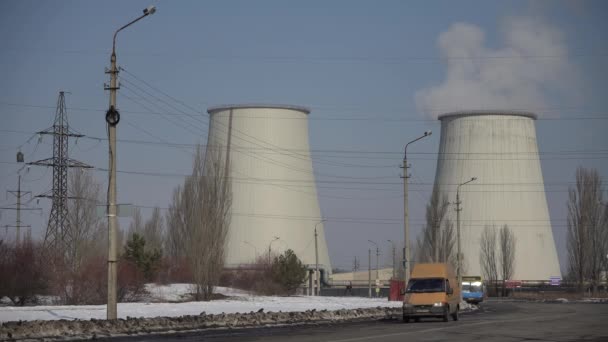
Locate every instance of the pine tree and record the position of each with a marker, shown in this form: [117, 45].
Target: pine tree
[288, 271]
[146, 261]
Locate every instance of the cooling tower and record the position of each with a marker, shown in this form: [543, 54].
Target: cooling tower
[500, 149]
[274, 196]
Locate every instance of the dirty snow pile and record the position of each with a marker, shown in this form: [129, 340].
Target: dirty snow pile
[162, 301]
[167, 309]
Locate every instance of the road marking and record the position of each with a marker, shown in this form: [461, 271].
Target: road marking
[378, 337]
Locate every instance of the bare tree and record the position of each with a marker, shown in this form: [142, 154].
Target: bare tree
[447, 252]
[137, 224]
[176, 222]
[506, 243]
[200, 210]
[86, 229]
[437, 239]
[154, 230]
[487, 255]
[587, 228]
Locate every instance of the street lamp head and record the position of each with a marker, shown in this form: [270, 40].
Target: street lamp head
[473, 178]
[150, 10]
[427, 133]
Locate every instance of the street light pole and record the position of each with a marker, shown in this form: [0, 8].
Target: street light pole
[112, 119]
[270, 248]
[317, 275]
[406, 214]
[369, 272]
[459, 254]
[255, 249]
[377, 254]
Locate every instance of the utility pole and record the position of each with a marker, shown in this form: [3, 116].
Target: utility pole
[112, 119]
[369, 271]
[459, 253]
[393, 246]
[317, 262]
[18, 223]
[318, 275]
[377, 256]
[18, 194]
[406, 214]
[406, 224]
[458, 261]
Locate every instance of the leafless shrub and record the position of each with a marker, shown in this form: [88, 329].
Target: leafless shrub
[22, 271]
[131, 282]
[256, 277]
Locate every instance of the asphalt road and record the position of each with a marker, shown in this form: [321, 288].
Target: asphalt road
[496, 321]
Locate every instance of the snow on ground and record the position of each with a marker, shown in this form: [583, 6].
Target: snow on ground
[241, 302]
[171, 300]
[182, 292]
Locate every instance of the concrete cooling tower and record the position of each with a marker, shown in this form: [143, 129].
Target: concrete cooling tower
[274, 196]
[500, 149]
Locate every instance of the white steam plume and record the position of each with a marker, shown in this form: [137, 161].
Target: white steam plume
[531, 67]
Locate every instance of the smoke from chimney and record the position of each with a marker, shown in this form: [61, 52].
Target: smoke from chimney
[530, 72]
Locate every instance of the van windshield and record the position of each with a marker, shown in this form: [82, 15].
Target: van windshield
[426, 285]
[471, 288]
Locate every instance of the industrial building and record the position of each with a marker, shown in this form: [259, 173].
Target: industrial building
[499, 148]
[274, 196]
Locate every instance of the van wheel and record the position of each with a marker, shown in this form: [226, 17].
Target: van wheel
[446, 313]
[406, 319]
[455, 314]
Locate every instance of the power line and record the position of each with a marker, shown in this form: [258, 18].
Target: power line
[346, 152]
[329, 59]
[345, 118]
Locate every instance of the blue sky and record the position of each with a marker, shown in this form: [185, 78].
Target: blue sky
[356, 64]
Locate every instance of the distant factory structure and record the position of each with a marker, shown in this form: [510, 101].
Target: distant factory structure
[499, 149]
[274, 198]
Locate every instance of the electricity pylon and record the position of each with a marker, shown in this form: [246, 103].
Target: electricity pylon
[58, 233]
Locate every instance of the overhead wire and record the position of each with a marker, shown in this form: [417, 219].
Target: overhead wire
[235, 133]
[409, 116]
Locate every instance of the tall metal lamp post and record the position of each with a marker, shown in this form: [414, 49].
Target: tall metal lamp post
[459, 254]
[406, 221]
[377, 255]
[317, 275]
[255, 249]
[112, 119]
[270, 248]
